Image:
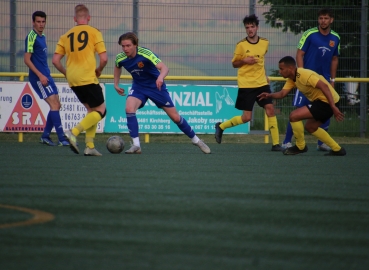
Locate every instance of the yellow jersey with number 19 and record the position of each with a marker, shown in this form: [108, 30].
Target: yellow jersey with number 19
[251, 76]
[306, 81]
[79, 45]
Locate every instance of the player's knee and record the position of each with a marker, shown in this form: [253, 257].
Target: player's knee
[102, 114]
[245, 118]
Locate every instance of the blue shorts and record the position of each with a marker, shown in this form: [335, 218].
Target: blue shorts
[160, 98]
[44, 91]
[300, 100]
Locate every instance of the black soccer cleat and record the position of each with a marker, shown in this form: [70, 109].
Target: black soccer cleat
[294, 150]
[277, 148]
[218, 133]
[341, 152]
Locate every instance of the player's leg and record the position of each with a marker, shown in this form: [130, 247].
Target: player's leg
[268, 106]
[55, 119]
[299, 101]
[132, 105]
[92, 98]
[47, 93]
[321, 111]
[322, 146]
[186, 128]
[296, 118]
[273, 127]
[244, 102]
[90, 149]
[183, 125]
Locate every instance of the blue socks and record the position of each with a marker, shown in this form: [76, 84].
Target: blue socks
[48, 127]
[54, 120]
[289, 134]
[132, 124]
[186, 128]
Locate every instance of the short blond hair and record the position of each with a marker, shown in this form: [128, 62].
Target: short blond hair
[81, 11]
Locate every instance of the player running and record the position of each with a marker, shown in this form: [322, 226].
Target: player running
[148, 73]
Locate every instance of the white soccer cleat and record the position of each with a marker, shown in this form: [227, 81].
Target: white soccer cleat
[133, 150]
[323, 147]
[91, 152]
[203, 147]
[72, 141]
[286, 145]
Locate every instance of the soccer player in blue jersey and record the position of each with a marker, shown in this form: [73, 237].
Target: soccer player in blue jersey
[317, 50]
[35, 57]
[148, 73]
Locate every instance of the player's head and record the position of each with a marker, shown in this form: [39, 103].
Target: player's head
[251, 24]
[38, 13]
[325, 11]
[39, 21]
[287, 66]
[325, 18]
[81, 14]
[252, 19]
[128, 36]
[129, 43]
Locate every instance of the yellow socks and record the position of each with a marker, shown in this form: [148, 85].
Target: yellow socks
[323, 135]
[273, 128]
[90, 136]
[235, 121]
[90, 120]
[298, 133]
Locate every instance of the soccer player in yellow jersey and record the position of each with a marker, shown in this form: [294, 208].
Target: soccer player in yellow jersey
[80, 44]
[323, 104]
[249, 58]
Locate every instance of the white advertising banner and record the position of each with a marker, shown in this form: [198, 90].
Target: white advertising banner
[21, 109]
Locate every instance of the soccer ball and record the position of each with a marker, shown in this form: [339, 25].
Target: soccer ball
[115, 144]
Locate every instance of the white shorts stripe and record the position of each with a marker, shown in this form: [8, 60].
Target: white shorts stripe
[42, 89]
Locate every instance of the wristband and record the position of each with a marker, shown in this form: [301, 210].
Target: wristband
[333, 80]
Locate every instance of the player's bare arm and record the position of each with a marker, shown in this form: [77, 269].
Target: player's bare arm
[57, 63]
[334, 66]
[325, 90]
[117, 73]
[103, 61]
[31, 66]
[163, 73]
[275, 95]
[300, 58]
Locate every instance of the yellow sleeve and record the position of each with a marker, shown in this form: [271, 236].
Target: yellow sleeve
[237, 55]
[313, 80]
[60, 48]
[99, 45]
[289, 85]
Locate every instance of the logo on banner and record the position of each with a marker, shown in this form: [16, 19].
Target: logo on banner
[220, 98]
[26, 115]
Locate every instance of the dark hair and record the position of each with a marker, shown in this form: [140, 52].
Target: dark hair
[130, 36]
[288, 61]
[38, 14]
[325, 11]
[252, 19]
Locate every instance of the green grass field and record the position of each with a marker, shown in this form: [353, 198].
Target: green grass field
[173, 207]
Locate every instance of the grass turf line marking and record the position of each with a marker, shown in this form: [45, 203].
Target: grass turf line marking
[38, 217]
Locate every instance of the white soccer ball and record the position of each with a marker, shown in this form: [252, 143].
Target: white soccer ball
[115, 144]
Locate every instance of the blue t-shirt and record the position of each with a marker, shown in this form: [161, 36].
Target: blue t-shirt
[36, 45]
[142, 68]
[319, 50]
